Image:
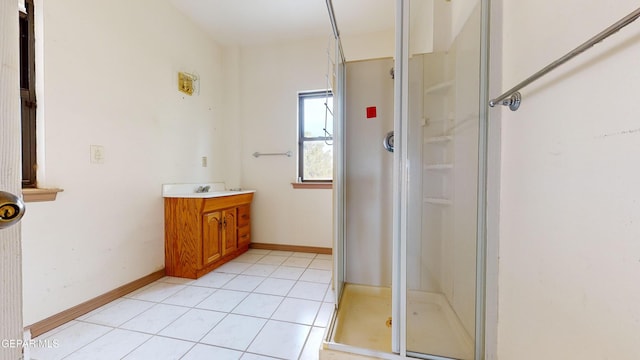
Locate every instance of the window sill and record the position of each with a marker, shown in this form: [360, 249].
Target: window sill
[312, 185]
[39, 195]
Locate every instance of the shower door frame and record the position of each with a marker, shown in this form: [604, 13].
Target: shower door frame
[401, 185]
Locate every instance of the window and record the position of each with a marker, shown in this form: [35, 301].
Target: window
[28, 94]
[315, 139]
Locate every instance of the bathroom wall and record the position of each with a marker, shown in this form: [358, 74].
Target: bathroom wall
[570, 214]
[270, 77]
[109, 78]
[369, 46]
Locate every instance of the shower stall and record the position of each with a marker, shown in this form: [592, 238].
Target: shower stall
[409, 219]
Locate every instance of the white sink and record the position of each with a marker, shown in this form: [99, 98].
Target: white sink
[190, 190]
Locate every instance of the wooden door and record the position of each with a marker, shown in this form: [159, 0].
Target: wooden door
[229, 237]
[211, 237]
[10, 164]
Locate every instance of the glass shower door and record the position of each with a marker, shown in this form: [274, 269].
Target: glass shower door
[443, 121]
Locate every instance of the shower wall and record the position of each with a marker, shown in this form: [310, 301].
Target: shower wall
[445, 84]
[368, 173]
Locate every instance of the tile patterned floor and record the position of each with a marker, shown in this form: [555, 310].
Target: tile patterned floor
[262, 305]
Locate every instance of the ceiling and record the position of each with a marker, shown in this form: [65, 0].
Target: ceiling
[244, 22]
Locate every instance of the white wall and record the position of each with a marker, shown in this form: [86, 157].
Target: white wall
[369, 46]
[270, 79]
[570, 214]
[109, 79]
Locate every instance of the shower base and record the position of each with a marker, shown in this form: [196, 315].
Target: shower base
[361, 327]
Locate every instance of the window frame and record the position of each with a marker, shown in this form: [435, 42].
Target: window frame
[28, 94]
[302, 96]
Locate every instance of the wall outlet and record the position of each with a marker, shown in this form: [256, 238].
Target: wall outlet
[97, 154]
[204, 161]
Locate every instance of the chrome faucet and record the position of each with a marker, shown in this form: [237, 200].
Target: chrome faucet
[203, 189]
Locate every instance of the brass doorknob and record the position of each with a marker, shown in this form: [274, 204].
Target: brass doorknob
[11, 209]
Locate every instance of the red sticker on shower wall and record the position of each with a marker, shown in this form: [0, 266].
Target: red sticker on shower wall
[371, 112]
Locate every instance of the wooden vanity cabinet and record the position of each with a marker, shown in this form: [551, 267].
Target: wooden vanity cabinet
[202, 234]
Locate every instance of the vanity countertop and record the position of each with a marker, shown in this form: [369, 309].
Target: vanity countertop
[191, 190]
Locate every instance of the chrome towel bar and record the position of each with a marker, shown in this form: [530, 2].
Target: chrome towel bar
[258, 154]
[512, 97]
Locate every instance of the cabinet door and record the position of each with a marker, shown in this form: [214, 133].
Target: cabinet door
[229, 237]
[211, 237]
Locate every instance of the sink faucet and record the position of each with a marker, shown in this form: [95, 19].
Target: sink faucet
[203, 189]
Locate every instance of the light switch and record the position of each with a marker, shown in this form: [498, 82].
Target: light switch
[97, 154]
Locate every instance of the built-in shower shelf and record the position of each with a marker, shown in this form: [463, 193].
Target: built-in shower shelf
[439, 87]
[439, 167]
[438, 139]
[437, 201]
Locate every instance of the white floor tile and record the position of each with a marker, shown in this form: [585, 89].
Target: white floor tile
[234, 331]
[176, 280]
[280, 339]
[260, 270]
[297, 311]
[281, 253]
[297, 262]
[304, 255]
[249, 356]
[156, 292]
[260, 305]
[214, 279]
[308, 291]
[208, 352]
[315, 275]
[100, 309]
[273, 286]
[120, 313]
[272, 259]
[68, 340]
[287, 272]
[249, 258]
[114, 345]
[321, 264]
[258, 251]
[311, 349]
[232, 267]
[223, 300]
[160, 348]
[271, 304]
[324, 315]
[155, 319]
[244, 283]
[193, 325]
[189, 296]
[331, 296]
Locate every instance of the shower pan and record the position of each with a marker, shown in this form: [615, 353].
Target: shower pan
[409, 224]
